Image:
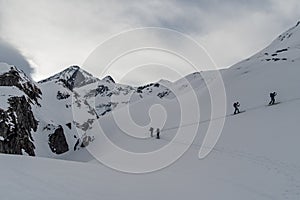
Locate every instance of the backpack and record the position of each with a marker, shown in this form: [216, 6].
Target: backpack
[273, 94]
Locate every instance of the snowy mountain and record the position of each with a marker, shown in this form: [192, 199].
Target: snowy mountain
[52, 102]
[255, 157]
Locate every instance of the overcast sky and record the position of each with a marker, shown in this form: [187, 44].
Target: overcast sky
[43, 37]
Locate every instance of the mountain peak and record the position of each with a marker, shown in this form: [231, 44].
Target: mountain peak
[108, 79]
[12, 76]
[11, 69]
[74, 67]
[72, 77]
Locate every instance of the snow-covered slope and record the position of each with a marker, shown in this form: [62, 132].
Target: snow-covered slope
[255, 157]
[76, 91]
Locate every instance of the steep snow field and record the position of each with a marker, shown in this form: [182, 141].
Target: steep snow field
[255, 158]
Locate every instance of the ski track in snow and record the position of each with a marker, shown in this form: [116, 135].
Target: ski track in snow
[290, 172]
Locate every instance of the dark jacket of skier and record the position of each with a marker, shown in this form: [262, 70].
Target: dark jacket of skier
[151, 131]
[157, 133]
[272, 96]
[236, 106]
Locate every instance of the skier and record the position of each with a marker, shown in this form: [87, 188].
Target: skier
[236, 106]
[157, 133]
[151, 131]
[272, 95]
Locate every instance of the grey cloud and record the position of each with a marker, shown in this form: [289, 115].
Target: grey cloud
[11, 55]
[192, 16]
[59, 33]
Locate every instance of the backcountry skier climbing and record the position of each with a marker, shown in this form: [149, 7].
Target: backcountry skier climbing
[236, 106]
[272, 96]
[151, 131]
[157, 133]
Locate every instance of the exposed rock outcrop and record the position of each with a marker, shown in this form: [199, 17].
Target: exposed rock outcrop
[16, 125]
[57, 141]
[13, 78]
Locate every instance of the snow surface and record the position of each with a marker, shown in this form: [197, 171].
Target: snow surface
[6, 93]
[256, 156]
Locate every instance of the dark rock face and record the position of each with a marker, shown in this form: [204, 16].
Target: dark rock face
[83, 142]
[15, 127]
[86, 141]
[13, 78]
[76, 145]
[80, 79]
[69, 125]
[109, 79]
[61, 95]
[164, 93]
[77, 79]
[57, 141]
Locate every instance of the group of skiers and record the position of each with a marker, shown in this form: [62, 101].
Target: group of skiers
[236, 105]
[157, 132]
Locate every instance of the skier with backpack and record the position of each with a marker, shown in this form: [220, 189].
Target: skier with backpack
[236, 106]
[157, 133]
[272, 96]
[151, 131]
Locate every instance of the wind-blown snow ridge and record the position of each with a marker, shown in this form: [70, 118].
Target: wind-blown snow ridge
[285, 48]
